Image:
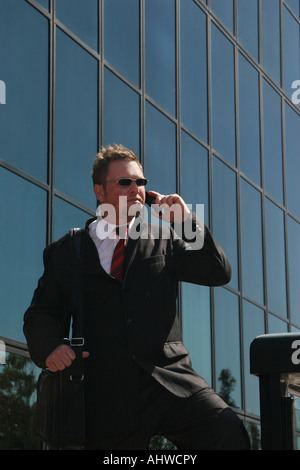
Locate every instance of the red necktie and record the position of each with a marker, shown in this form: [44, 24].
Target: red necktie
[116, 269]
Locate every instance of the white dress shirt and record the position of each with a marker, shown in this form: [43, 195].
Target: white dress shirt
[105, 237]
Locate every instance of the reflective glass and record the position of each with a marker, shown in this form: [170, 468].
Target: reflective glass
[67, 216]
[24, 72]
[75, 120]
[294, 5]
[249, 131]
[275, 257]
[160, 157]
[224, 210]
[44, 3]
[292, 133]
[272, 142]
[224, 12]
[18, 383]
[121, 122]
[291, 51]
[253, 326]
[248, 26]
[160, 67]
[193, 67]
[251, 243]
[81, 17]
[223, 112]
[294, 269]
[276, 325]
[270, 38]
[23, 211]
[194, 174]
[196, 327]
[227, 346]
[121, 37]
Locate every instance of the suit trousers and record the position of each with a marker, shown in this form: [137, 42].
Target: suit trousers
[200, 422]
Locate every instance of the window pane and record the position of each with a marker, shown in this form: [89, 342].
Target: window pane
[224, 209]
[291, 51]
[122, 126]
[81, 17]
[194, 174]
[294, 269]
[121, 37]
[294, 6]
[24, 71]
[44, 3]
[275, 251]
[227, 341]
[223, 113]
[67, 216]
[160, 53]
[249, 120]
[292, 133]
[253, 326]
[193, 62]
[272, 142]
[196, 327]
[21, 248]
[248, 25]
[270, 37]
[160, 161]
[275, 325]
[224, 12]
[75, 120]
[251, 242]
[18, 383]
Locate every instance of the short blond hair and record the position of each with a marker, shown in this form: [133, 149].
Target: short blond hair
[111, 154]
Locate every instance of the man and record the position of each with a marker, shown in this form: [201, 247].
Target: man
[138, 375]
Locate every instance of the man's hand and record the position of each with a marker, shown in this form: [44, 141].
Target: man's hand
[170, 208]
[62, 357]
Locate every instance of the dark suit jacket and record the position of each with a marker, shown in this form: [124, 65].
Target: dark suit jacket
[127, 326]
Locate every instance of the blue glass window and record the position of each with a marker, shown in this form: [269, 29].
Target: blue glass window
[196, 327]
[160, 67]
[272, 142]
[249, 120]
[270, 38]
[44, 3]
[75, 120]
[294, 6]
[23, 210]
[276, 325]
[251, 242]
[227, 333]
[224, 209]
[121, 37]
[294, 269]
[224, 12]
[67, 216]
[223, 111]
[193, 67]
[291, 51]
[160, 158]
[292, 132]
[121, 113]
[248, 25]
[81, 17]
[253, 326]
[275, 257]
[194, 173]
[24, 71]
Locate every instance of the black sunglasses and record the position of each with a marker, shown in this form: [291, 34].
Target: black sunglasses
[128, 181]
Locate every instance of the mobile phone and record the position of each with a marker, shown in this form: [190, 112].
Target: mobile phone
[149, 199]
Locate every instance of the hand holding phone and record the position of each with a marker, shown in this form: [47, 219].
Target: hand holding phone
[170, 208]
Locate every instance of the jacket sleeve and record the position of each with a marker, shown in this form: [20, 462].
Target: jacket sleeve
[46, 321]
[199, 258]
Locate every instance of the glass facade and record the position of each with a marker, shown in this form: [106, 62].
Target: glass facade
[204, 92]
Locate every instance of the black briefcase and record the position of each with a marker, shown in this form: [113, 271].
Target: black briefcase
[60, 395]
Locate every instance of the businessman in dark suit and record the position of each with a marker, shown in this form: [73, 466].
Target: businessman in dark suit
[139, 379]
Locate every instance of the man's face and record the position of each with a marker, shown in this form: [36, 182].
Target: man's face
[135, 195]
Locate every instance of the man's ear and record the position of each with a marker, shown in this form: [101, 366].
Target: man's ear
[99, 192]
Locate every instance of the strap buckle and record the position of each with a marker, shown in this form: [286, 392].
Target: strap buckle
[76, 341]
